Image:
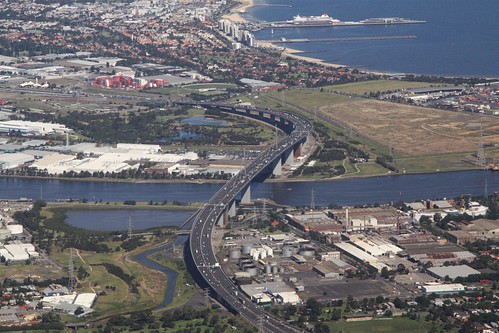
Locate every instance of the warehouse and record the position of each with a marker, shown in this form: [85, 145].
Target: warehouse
[18, 252]
[452, 272]
[451, 288]
[32, 128]
[11, 161]
[327, 270]
[355, 252]
[278, 291]
[85, 299]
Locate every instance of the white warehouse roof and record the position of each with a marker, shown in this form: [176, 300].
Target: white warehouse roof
[356, 252]
[443, 288]
[453, 271]
[85, 299]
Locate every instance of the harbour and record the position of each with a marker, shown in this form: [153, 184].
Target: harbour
[327, 21]
[339, 39]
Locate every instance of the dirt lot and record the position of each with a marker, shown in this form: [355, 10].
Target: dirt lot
[414, 131]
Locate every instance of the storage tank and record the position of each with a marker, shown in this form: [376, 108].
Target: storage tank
[287, 251]
[246, 248]
[307, 252]
[252, 270]
[281, 269]
[234, 253]
[268, 269]
[275, 269]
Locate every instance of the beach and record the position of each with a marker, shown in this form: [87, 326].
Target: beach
[235, 13]
[295, 54]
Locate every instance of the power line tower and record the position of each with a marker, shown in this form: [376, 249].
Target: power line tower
[71, 271]
[480, 155]
[130, 227]
[312, 200]
[260, 325]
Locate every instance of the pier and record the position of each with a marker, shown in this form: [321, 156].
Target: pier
[340, 39]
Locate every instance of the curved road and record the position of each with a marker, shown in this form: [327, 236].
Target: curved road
[200, 240]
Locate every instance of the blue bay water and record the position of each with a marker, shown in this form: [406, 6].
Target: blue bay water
[460, 38]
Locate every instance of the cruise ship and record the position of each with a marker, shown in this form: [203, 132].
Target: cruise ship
[324, 19]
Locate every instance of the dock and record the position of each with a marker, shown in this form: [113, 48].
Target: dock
[338, 39]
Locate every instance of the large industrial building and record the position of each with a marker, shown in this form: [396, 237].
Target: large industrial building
[18, 252]
[32, 128]
[450, 288]
[278, 292]
[452, 272]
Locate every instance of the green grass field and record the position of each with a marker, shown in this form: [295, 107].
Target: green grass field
[378, 85]
[395, 325]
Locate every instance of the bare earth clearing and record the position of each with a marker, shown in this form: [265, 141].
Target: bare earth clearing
[414, 131]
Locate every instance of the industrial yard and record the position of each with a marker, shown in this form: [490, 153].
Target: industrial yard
[384, 253]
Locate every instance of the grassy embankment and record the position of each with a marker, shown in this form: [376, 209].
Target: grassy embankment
[385, 325]
[119, 297]
[418, 139]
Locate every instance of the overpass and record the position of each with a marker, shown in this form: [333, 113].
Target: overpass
[200, 253]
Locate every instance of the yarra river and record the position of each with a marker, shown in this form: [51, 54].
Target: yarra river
[358, 191]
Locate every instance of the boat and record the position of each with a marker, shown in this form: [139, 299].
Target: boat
[313, 20]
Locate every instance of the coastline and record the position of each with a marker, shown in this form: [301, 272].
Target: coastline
[235, 14]
[295, 54]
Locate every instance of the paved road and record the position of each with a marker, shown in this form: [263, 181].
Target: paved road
[200, 240]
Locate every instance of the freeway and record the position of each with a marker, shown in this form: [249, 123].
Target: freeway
[200, 240]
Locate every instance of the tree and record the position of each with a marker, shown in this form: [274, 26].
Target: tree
[385, 273]
[321, 328]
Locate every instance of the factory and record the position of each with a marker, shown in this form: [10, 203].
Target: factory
[31, 128]
[18, 252]
[105, 159]
[14, 160]
[278, 292]
[452, 272]
[449, 288]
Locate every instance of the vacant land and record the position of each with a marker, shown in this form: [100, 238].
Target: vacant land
[414, 131]
[374, 86]
[418, 139]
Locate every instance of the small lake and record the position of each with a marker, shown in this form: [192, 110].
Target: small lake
[117, 219]
[203, 121]
[182, 135]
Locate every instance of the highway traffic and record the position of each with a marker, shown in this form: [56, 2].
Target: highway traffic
[200, 240]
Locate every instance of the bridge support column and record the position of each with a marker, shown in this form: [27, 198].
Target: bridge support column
[298, 149]
[289, 159]
[246, 195]
[221, 220]
[277, 168]
[232, 209]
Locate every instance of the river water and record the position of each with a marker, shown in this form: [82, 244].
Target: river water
[383, 189]
[117, 219]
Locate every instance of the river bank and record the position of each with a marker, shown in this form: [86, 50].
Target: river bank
[218, 181]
